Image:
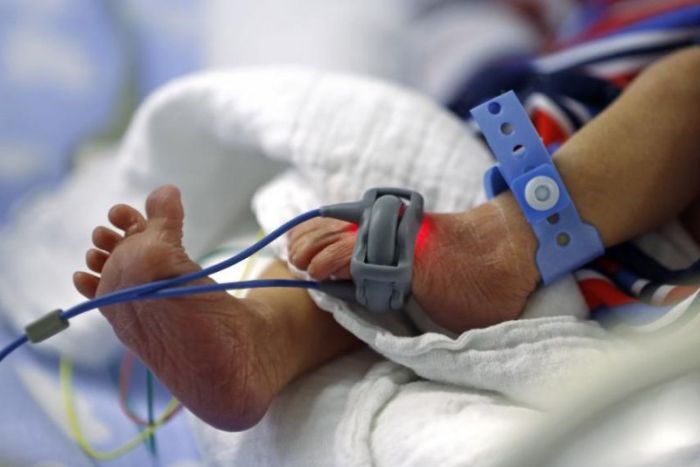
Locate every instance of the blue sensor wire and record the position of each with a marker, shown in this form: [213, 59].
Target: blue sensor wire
[191, 290]
[169, 288]
[172, 292]
[167, 283]
[16, 344]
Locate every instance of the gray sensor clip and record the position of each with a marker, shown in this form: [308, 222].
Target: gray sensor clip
[382, 261]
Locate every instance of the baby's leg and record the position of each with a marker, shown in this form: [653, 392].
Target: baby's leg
[478, 268]
[471, 269]
[222, 357]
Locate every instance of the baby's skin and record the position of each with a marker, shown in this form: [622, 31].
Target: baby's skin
[471, 269]
[226, 358]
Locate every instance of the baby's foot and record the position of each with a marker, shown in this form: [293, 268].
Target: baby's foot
[472, 269]
[219, 356]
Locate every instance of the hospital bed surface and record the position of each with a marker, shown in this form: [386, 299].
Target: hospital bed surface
[34, 426]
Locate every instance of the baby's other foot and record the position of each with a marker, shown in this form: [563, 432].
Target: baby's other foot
[472, 269]
[323, 248]
[220, 356]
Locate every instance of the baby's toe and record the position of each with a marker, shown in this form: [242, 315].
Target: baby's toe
[95, 259]
[165, 202]
[307, 241]
[310, 226]
[105, 239]
[334, 260]
[164, 210]
[303, 251]
[126, 218]
[86, 283]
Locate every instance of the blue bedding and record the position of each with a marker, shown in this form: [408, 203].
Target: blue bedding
[72, 71]
[33, 420]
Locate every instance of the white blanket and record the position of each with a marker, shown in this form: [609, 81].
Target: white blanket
[431, 399]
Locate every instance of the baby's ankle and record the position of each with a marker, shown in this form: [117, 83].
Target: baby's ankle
[521, 237]
[476, 268]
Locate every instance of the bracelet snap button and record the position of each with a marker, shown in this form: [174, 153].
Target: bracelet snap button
[541, 193]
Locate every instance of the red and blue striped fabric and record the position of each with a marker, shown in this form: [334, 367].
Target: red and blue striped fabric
[612, 50]
[579, 75]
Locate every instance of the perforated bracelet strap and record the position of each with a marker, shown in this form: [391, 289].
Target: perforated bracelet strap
[525, 166]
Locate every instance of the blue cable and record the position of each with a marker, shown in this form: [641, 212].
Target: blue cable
[170, 293]
[191, 290]
[162, 284]
[253, 284]
[168, 288]
[17, 343]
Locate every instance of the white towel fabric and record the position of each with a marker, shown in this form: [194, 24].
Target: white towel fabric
[219, 136]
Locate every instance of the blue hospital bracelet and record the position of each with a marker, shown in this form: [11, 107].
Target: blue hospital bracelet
[526, 168]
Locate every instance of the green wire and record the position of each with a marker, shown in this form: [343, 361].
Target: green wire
[66, 376]
[151, 415]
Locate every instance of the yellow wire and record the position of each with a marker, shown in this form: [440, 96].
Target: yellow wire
[66, 372]
[66, 376]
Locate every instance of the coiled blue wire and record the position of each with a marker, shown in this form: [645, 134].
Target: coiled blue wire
[169, 288]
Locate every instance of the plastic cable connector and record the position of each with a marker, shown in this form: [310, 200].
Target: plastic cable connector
[349, 212]
[47, 326]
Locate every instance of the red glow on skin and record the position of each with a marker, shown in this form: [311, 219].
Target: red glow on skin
[352, 228]
[426, 230]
